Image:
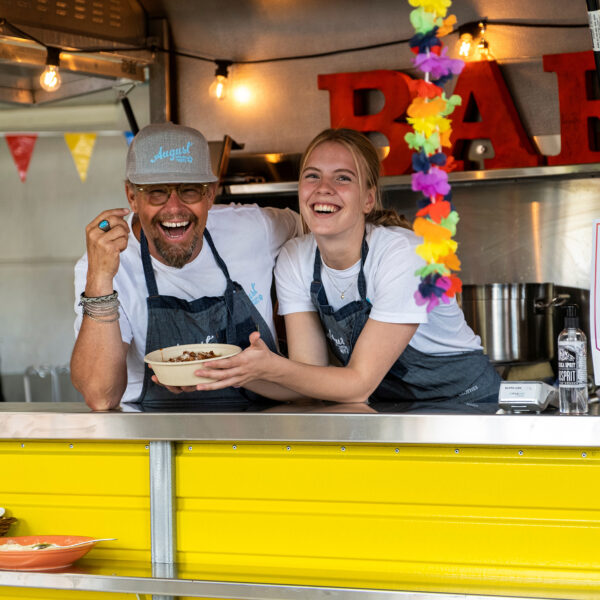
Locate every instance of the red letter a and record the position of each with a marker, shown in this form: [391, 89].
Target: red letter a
[482, 83]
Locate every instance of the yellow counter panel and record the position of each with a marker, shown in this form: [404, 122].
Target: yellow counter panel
[445, 519]
[504, 520]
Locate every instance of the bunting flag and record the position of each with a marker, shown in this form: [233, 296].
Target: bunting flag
[81, 146]
[128, 136]
[428, 115]
[21, 148]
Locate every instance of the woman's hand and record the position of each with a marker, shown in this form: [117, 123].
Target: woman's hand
[255, 362]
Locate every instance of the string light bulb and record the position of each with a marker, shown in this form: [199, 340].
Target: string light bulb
[483, 46]
[218, 88]
[467, 35]
[50, 78]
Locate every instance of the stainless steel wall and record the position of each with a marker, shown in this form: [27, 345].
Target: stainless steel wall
[521, 230]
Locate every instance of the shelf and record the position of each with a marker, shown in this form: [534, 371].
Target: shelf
[456, 178]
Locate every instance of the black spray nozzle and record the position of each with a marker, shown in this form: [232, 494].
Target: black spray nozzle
[571, 316]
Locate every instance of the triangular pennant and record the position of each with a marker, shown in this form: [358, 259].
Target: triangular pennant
[128, 136]
[21, 148]
[81, 146]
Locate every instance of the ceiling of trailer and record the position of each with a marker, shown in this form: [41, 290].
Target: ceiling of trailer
[249, 30]
[261, 29]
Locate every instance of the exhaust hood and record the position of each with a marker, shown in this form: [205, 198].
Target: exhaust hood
[113, 33]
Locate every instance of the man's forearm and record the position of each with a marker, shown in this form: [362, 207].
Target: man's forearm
[98, 364]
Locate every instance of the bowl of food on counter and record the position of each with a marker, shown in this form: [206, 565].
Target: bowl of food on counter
[44, 552]
[176, 365]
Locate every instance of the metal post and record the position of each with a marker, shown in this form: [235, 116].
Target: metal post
[162, 511]
[161, 76]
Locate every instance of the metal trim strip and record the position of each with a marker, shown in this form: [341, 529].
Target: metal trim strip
[74, 421]
[219, 589]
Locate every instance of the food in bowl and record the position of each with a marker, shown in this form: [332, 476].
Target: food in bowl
[175, 366]
[189, 355]
[11, 546]
[43, 552]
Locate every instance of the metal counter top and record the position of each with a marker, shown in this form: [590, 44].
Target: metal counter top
[74, 421]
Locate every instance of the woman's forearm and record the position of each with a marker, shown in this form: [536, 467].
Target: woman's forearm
[340, 384]
[268, 389]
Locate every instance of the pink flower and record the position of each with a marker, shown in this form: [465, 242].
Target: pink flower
[438, 66]
[432, 183]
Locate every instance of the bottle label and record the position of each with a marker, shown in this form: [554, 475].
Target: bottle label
[572, 364]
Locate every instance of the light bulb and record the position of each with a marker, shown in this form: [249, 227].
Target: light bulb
[483, 47]
[50, 78]
[465, 45]
[218, 87]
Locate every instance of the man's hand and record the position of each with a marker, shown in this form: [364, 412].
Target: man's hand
[103, 250]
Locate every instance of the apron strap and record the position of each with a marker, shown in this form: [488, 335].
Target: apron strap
[229, 289]
[147, 264]
[217, 256]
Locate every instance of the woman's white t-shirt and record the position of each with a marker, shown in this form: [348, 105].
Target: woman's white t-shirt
[391, 283]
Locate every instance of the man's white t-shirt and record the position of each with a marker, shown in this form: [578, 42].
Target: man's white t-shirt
[248, 239]
[391, 283]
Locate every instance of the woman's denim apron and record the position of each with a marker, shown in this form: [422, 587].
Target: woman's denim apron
[455, 382]
[227, 319]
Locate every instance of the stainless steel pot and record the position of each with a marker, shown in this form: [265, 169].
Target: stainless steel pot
[515, 321]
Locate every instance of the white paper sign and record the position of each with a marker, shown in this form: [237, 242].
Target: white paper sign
[595, 302]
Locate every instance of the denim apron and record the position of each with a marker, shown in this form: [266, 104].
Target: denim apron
[456, 382]
[227, 319]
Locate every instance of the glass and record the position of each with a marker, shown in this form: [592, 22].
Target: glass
[188, 193]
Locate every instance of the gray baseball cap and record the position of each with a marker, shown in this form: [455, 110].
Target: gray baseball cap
[169, 153]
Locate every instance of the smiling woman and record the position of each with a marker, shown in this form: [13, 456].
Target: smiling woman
[362, 311]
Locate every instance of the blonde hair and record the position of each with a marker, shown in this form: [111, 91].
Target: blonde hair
[368, 165]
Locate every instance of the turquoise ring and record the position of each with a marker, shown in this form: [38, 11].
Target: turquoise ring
[104, 225]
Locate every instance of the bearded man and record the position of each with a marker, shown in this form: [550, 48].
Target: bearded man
[172, 269]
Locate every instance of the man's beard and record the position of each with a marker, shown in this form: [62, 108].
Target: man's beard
[174, 255]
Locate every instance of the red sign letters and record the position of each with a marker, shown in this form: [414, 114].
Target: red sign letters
[487, 112]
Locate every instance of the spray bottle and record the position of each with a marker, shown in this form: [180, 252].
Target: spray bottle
[572, 366]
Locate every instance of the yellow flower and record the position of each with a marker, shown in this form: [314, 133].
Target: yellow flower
[433, 252]
[439, 7]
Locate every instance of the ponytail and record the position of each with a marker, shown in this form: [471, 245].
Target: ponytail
[387, 217]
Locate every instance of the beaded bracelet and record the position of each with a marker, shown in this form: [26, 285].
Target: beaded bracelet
[83, 299]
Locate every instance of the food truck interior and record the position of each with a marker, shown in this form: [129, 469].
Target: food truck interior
[299, 501]
[127, 63]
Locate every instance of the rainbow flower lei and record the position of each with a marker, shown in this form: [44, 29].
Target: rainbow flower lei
[428, 115]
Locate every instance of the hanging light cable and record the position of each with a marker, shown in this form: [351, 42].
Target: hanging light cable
[483, 45]
[218, 88]
[50, 77]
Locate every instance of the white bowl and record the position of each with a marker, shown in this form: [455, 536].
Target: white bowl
[182, 373]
